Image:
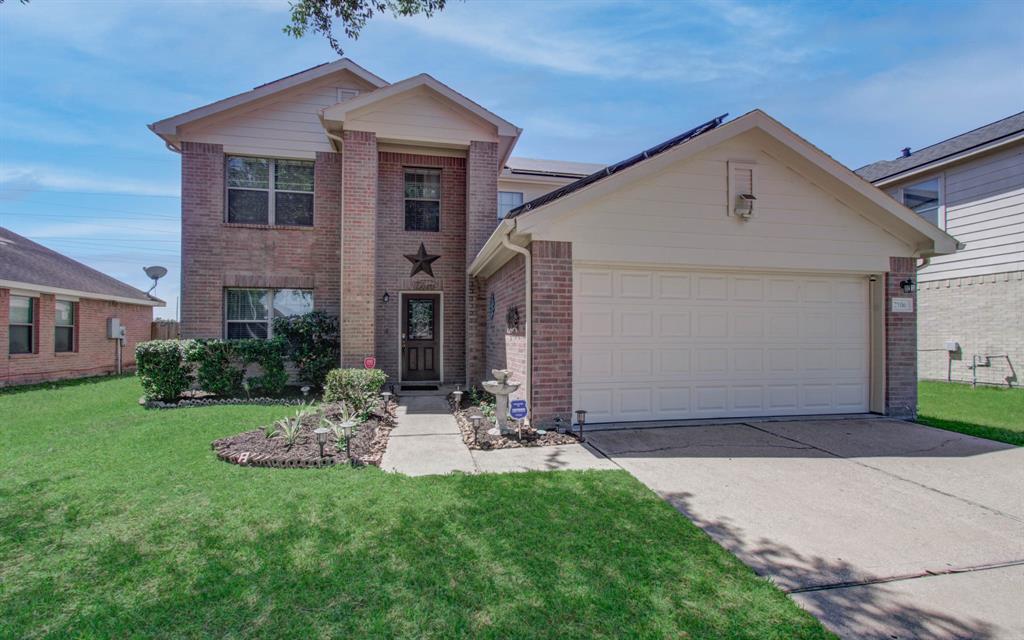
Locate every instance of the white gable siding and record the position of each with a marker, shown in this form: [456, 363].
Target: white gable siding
[984, 201]
[678, 217]
[286, 126]
[420, 116]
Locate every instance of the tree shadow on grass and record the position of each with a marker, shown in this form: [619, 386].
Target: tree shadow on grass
[520, 555]
[855, 612]
[61, 384]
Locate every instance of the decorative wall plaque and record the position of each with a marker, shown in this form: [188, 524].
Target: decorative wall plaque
[421, 261]
[492, 305]
[512, 319]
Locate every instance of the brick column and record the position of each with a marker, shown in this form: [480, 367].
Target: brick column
[481, 220]
[358, 246]
[202, 213]
[900, 343]
[327, 218]
[552, 331]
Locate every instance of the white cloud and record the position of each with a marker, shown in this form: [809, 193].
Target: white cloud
[17, 180]
[654, 41]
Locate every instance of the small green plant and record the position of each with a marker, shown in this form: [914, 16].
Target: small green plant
[336, 426]
[290, 428]
[270, 431]
[357, 388]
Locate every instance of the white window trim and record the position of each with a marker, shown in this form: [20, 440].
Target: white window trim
[32, 325]
[74, 321]
[437, 200]
[270, 190]
[731, 167]
[270, 308]
[941, 214]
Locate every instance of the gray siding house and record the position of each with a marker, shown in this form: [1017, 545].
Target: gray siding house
[971, 303]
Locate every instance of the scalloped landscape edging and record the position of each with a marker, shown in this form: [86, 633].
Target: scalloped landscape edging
[210, 402]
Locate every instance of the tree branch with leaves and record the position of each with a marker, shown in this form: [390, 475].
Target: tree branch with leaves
[320, 16]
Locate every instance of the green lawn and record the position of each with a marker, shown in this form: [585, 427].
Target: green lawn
[119, 522]
[986, 412]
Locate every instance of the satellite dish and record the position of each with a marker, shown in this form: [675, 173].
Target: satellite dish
[156, 273]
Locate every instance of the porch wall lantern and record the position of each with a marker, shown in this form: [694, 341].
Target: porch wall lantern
[907, 286]
[386, 298]
[581, 419]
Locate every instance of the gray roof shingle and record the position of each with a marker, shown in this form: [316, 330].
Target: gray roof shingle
[22, 260]
[964, 142]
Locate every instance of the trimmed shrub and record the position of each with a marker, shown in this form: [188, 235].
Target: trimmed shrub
[216, 372]
[269, 355]
[161, 369]
[313, 344]
[356, 387]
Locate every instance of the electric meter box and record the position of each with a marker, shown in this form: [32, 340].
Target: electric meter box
[114, 329]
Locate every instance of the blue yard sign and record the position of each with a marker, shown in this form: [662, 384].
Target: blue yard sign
[517, 409]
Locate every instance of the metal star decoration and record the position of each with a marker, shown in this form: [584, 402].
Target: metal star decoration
[421, 261]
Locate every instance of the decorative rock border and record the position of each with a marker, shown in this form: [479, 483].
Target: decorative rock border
[210, 402]
[246, 459]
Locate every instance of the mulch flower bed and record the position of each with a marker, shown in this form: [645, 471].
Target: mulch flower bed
[255, 449]
[485, 441]
[204, 399]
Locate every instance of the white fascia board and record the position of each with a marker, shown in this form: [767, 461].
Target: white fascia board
[168, 127]
[935, 165]
[491, 249]
[28, 287]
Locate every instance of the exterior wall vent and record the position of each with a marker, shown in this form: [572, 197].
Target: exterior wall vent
[742, 189]
[345, 94]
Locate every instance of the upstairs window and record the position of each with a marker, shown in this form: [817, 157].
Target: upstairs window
[250, 313]
[272, 192]
[422, 199]
[22, 324]
[507, 201]
[64, 326]
[925, 199]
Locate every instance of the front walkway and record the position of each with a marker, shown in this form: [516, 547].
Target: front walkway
[427, 441]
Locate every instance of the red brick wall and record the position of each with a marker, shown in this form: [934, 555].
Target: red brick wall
[392, 272]
[481, 220]
[215, 254]
[900, 343]
[552, 331]
[359, 246]
[506, 349]
[94, 354]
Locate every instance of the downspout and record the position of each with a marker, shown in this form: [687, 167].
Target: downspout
[341, 256]
[505, 242]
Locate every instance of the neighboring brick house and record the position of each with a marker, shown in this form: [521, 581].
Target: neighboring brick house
[971, 315]
[57, 311]
[648, 290]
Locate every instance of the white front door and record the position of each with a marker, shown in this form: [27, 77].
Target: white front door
[670, 344]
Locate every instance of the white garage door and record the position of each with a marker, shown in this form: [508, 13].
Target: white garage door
[662, 345]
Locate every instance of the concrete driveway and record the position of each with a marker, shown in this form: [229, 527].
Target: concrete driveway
[881, 528]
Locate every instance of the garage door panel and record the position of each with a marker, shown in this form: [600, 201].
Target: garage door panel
[660, 345]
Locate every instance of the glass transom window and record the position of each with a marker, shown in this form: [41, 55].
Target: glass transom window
[64, 326]
[267, 191]
[21, 324]
[925, 199]
[422, 199]
[507, 201]
[249, 313]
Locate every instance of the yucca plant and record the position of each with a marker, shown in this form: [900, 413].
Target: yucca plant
[290, 428]
[344, 415]
[270, 431]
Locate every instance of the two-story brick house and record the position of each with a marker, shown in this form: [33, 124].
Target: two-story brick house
[734, 270]
[971, 324]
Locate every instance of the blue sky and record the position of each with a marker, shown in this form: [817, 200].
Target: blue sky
[589, 81]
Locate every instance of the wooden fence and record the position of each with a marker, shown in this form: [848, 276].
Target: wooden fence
[165, 330]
